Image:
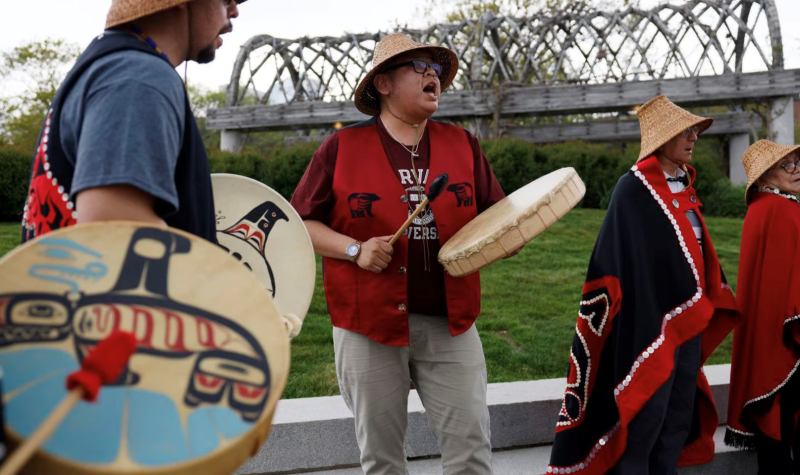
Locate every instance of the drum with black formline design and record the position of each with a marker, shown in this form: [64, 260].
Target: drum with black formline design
[211, 361]
[259, 228]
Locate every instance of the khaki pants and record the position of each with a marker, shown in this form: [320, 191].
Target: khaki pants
[450, 376]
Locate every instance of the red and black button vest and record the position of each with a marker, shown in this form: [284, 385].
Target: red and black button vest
[368, 202]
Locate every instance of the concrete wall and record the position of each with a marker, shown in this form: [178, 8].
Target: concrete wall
[317, 433]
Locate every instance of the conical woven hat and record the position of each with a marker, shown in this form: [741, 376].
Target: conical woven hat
[661, 121]
[126, 11]
[760, 157]
[367, 98]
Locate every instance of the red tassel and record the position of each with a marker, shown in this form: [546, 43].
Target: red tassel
[104, 364]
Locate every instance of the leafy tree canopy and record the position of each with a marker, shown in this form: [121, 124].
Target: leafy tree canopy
[34, 71]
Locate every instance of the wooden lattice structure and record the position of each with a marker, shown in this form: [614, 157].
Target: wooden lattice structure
[543, 78]
[699, 38]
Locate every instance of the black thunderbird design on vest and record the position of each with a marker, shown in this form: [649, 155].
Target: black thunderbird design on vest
[361, 204]
[463, 192]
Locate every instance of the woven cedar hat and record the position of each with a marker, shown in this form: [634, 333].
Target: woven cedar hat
[367, 97]
[760, 157]
[126, 11]
[661, 121]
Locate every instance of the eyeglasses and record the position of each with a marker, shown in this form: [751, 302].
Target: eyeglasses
[791, 166]
[691, 130]
[420, 66]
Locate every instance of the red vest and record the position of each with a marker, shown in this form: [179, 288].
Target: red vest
[367, 203]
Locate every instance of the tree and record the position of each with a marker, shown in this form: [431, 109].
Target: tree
[38, 68]
[201, 100]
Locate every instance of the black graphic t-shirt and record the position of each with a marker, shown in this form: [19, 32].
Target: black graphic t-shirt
[313, 199]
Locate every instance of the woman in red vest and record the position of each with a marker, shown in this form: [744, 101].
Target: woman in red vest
[397, 315]
[765, 390]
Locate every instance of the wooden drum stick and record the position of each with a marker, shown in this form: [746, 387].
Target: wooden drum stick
[439, 184]
[103, 365]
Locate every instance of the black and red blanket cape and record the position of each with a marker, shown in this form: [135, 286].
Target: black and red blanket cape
[766, 346]
[649, 288]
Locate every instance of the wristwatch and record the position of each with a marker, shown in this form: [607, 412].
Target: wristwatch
[353, 250]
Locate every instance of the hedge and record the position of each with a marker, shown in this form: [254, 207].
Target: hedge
[281, 172]
[514, 162]
[15, 170]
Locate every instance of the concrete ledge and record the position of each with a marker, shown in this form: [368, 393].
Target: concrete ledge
[318, 433]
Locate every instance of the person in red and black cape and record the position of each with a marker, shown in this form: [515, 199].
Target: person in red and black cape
[655, 304]
[765, 389]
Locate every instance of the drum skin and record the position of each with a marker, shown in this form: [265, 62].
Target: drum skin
[512, 222]
[259, 228]
[211, 363]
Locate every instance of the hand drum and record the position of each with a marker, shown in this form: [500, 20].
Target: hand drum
[512, 222]
[259, 228]
[211, 361]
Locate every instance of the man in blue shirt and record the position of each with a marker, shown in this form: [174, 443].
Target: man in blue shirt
[120, 141]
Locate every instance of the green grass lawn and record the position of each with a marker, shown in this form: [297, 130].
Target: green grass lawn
[530, 304]
[10, 234]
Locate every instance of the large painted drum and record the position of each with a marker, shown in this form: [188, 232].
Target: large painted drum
[212, 355]
[512, 222]
[263, 231]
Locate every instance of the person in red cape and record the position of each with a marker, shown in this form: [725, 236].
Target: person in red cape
[764, 397]
[655, 304]
[396, 315]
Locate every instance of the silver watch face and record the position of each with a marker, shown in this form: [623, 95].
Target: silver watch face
[352, 250]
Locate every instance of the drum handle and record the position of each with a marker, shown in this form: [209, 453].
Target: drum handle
[103, 365]
[408, 221]
[20, 456]
[438, 184]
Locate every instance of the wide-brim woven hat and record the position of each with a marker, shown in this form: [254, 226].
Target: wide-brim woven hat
[661, 121]
[760, 157]
[367, 97]
[126, 11]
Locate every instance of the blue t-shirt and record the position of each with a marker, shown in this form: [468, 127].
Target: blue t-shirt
[123, 123]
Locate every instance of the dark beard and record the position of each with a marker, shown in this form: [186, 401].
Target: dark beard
[207, 54]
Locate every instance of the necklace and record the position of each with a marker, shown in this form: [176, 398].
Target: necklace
[419, 188]
[775, 191]
[414, 151]
[149, 41]
[426, 253]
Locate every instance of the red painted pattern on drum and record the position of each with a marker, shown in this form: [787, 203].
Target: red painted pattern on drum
[158, 329]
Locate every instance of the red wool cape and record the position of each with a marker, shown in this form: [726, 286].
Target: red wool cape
[766, 346]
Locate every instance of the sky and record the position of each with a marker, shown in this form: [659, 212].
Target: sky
[30, 20]
[21, 22]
